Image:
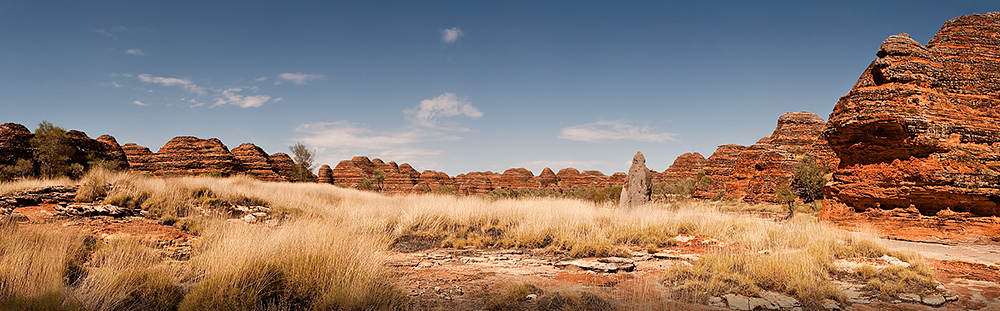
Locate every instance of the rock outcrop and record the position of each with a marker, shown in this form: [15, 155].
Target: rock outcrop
[140, 158]
[685, 166]
[764, 166]
[360, 171]
[921, 127]
[15, 143]
[639, 183]
[192, 156]
[255, 162]
[325, 175]
[188, 156]
[719, 167]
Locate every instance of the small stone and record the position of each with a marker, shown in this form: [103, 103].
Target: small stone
[830, 304]
[716, 302]
[781, 300]
[531, 296]
[909, 297]
[737, 302]
[951, 298]
[934, 300]
[755, 303]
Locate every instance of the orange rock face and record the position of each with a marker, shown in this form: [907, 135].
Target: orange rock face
[191, 156]
[255, 162]
[14, 143]
[685, 166]
[921, 126]
[188, 155]
[404, 179]
[720, 167]
[764, 166]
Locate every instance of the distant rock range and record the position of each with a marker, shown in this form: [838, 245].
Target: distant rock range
[181, 156]
[405, 179]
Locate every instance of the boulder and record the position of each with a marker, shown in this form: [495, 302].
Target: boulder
[518, 178]
[547, 178]
[920, 127]
[639, 183]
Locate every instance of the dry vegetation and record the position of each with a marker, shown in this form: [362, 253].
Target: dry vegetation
[325, 254]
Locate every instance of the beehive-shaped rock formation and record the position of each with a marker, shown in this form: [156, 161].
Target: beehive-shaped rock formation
[921, 127]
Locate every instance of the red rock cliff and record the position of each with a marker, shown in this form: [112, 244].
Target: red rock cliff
[921, 126]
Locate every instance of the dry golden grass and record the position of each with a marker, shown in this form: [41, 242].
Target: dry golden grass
[27, 184]
[308, 265]
[326, 257]
[36, 266]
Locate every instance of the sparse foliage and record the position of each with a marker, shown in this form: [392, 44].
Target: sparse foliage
[786, 196]
[20, 169]
[304, 161]
[809, 177]
[53, 151]
[684, 188]
[379, 176]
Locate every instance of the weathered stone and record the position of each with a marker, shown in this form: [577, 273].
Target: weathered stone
[764, 166]
[283, 165]
[685, 166]
[547, 178]
[934, 300]
[255, 162]
[518, 178]
[325, 174]
[719, 167]
[113, 151]
[920, 127]
[140, 158]
[607, 265]
[737, 302]
[190, 156]
[88, 149]
[639, 185]
[15, 143]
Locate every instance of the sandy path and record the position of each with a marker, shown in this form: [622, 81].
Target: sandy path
[980, 253]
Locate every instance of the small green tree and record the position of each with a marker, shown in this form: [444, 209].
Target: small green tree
[809, 178]
[304, 161]
[379, 176]
[53, 151]
[786, 195]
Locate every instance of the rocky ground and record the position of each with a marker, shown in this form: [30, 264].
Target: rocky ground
[466, 279]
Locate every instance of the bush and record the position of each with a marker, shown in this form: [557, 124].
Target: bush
[53, 151]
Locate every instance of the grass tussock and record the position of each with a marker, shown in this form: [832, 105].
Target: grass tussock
[300, 266]
[516, 297]
[889, 282]
[27, 184]
[35, 267]
[126, 274]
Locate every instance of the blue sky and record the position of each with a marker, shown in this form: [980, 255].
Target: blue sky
[454, 86]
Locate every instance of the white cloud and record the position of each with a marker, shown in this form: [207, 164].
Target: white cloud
[613, 130]
[116, 84]
[446, 105]
[139, 103]
[346, 139]
[184, 83]
[298, 77]
[136, 52]
[229, 97]
[451, 35]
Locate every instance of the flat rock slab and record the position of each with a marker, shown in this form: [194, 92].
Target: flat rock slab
[606, 265]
